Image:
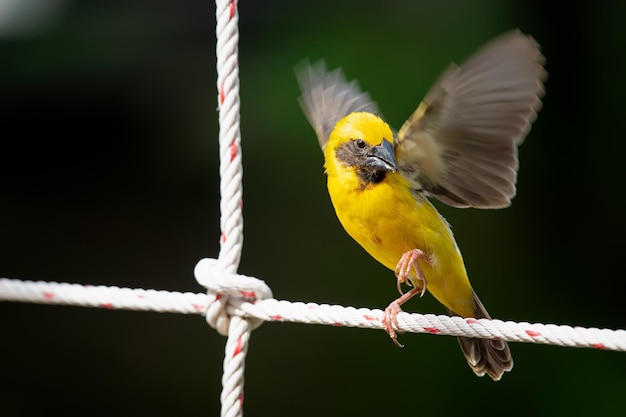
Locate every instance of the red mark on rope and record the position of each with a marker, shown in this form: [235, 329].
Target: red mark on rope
[471, 321]
[432, 330]
[233, 9]
[106, 305]
[238, 347]
[533, 333]
[222, 94]
[233, 151]
[336, 324]
[223, 237]
[248, 294]
[277, 317]
[48, 295]
[598, 345]
[240, 204]
[370, 318]
[199, 307]
[241, 399]
[218, 296]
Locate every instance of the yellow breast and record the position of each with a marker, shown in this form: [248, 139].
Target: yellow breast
[388, 221]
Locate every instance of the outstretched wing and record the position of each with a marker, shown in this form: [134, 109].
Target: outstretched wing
[327, 98]
[460, 145]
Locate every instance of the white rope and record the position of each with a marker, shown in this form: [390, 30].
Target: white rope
[231, 168]
[231, 216]
[242, 307]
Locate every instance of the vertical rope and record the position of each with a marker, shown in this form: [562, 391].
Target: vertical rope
[231, 169]
[234, 365]
[231, 220]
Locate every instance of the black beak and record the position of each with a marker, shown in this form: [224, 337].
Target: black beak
[382, 157]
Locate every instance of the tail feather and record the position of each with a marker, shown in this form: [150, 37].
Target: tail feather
[485, 356]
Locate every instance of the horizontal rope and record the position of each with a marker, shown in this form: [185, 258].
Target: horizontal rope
[311, 313]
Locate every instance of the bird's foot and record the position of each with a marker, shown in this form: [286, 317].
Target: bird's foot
[407, 262]
[390, 315]
[390, 321]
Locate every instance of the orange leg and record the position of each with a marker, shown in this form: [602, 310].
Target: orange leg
[407, 262]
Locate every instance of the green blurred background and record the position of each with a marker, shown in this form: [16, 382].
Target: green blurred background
[109, 175]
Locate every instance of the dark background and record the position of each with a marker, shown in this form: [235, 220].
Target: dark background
[109, 175]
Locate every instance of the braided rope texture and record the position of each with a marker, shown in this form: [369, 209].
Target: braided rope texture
[231, 216]
[244, 304]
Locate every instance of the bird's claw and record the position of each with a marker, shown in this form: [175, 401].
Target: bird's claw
[390, 321]
[407, 262]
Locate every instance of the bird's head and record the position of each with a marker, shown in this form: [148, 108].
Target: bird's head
[361, 143]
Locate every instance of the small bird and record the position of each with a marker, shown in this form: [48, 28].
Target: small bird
[459, 146]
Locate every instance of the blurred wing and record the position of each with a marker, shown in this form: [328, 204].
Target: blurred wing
[327, 98]
[460, 145]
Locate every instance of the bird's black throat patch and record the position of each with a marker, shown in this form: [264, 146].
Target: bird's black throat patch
[371, 177]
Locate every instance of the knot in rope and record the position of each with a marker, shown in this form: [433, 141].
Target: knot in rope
[227, 288]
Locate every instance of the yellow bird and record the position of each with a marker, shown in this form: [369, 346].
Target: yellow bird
[459, 146]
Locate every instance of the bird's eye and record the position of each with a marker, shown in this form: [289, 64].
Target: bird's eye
[360, 143]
